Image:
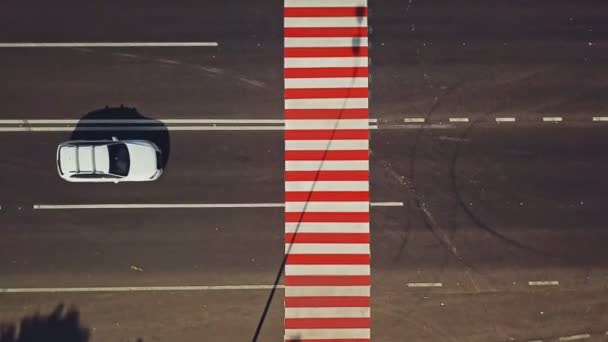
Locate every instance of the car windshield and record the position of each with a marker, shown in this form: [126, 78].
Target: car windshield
[119, 159]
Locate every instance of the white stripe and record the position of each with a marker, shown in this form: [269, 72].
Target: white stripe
[600, 118]
[575, 337]
[339, 103]
[325, 22]
[552, 119]
[327, 312]
[107, 44]
[327, 186]
[329, 227]
[424, 284]
[138, 288]
[327, 165]
[143, 128]
[335, 82]
[326, 42]
[325, 3]
[295, 270]
[182, 206]
[305, 334]
[327, 124]
[414, 120]
[459, 119]
[505, 119]
[326, 145]
[325, 62]
[320, 207]
[544, 283]
[322, 291]
[156, 206]
[327, 248]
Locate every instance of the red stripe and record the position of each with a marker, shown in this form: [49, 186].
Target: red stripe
[354, 113]
[332, 340]
[327, 155]
[327, 217]
[326, 175]
[325, 12]
[328, 280]
[325, 72]
[303, 196]
[327, 323]
[327, 52]
[326, 134]
[326, 302]
[325, 32]
[326, 93]
[327, 259]
[326, 237]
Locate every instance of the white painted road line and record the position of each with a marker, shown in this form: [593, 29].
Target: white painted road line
[138, 288]
[424, 285]
[339, 103]
[415, 120]
[327, 248]
[325, 3]
[196, 206]
[499, 120]
[575, 337]
[326, 227]
[325, 42]
[321, 334]
[326, 186]
[333, 22]
[459, 119]
[318, 291]
[329, 270]
[327, 123]
[544, 283]
[600, 118]
[326, 145]
[325, 62]
[147, 121]
[327, 312]
[327, 165]
[107, 44]
[147, 128]
[322, 207]
[336, 82]
[552, 119]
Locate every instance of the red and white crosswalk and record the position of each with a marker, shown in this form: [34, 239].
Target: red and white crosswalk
[327, 271]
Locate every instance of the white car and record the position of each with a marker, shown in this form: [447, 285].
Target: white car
[109, 161]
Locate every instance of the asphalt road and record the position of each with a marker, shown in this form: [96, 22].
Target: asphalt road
[487, 208]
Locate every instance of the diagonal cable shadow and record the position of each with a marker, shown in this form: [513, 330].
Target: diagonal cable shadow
[360, 12]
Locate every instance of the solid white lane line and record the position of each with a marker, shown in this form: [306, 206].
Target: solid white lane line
[327, 312]
[346, 207]
[325, 42]
[107, 44]
[552, 119]
[319, 334]
[322, 291]
[326, 145]
[325, 22]
[327, 186]
[147, 121]
[327, 165]
[325, 62]
[147, 128]
[331, 270]
[138, 288]
[203, 206]
[418, 120]
[575, 337]
[505, 120]
[544, 283]
[600, 118]
[459, 119]
[325, 3]
[340, 103]
[327, 248]
[327, 227]
[424, 285]
[337, 82]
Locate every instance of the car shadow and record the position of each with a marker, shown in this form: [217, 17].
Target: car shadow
[124, 123]
[60, 325]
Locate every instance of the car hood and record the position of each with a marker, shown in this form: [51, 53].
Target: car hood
[143, 160]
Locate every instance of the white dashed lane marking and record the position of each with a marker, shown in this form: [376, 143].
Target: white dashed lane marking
[544, 283]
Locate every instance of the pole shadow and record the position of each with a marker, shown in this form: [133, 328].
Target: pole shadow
[60, 325]
[124, 123]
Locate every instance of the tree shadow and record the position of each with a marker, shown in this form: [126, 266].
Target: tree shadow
[60, 325]
[125, 123]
